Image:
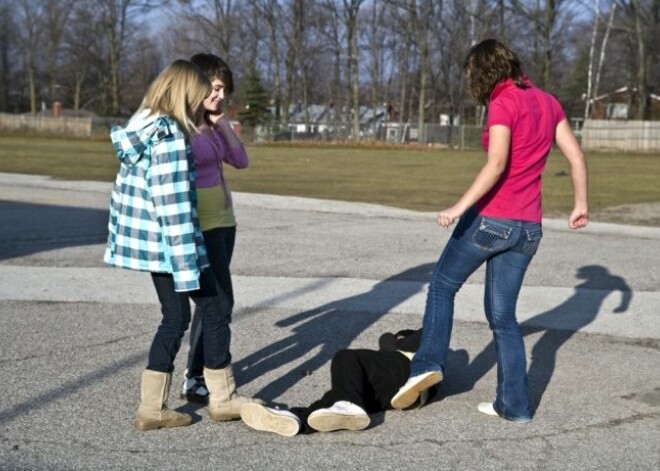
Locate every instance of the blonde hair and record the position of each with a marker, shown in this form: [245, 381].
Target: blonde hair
[178, 92]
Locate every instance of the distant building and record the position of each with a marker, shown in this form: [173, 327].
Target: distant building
[623, 103]
[321, 120]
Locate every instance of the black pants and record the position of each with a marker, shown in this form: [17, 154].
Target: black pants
[175, 308]
[367, 378]
[219, 244]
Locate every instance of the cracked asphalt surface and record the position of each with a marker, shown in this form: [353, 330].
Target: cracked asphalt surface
[312, 277]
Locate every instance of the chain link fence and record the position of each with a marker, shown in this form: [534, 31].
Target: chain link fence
[627, 136]
[431, 135]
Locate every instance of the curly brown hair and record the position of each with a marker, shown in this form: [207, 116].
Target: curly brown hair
[488, 63]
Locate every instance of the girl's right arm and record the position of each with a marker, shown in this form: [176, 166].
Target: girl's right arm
[171, 194]
[236, 155]
[498, 156]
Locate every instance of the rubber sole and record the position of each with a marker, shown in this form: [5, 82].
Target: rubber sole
[261, 418]
[181, 421]
[409, 392]
[329, 421]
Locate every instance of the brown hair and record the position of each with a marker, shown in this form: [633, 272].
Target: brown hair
[214, 67]
[178, 92]
[487, 64]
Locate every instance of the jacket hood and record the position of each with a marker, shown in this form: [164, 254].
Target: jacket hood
[135, 138]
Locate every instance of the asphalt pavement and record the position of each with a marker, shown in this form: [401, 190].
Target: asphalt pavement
[312, 277]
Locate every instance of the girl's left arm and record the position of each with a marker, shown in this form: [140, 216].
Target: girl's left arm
[570, 147]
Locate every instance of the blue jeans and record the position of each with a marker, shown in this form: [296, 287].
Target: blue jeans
[219, 244]
[507, 247]
[175, 308]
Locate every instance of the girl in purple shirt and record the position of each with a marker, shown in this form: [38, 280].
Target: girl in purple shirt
[215, 145]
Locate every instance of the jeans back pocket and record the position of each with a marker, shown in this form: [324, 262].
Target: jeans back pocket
[491, 235]
[532, 241]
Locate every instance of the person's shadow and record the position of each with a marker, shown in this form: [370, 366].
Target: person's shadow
[558, 326]
[30, 228]
[327, 328]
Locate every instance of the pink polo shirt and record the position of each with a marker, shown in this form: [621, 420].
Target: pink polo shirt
[532, 115]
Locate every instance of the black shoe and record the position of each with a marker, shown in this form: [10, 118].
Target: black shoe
[194, 390]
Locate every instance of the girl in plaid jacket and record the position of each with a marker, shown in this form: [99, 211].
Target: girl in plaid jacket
[154, 226]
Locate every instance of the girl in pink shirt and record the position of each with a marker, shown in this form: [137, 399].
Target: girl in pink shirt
[500, 225]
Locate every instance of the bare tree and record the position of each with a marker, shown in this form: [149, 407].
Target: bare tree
[592, 49]
[603, 48]
[343, 53]
[7, 35]
[594, 82]
[639, 26]
[351, 10]
[542, 18]
[546, 20]
[423, 19]
[331, 31]
[642, 58]
[57, 14]
[82, 55]
[406, 46]
[454, 40]
[294, 46]
[118, 19]
[654, 42]
[212, 23]
[376, 34]
[31, 19]
[270, 12]
[220, 25]
[636, 15]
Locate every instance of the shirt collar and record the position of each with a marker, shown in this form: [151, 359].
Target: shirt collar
[505, 85]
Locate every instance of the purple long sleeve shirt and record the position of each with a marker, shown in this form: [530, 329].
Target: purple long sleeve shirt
[211, 150]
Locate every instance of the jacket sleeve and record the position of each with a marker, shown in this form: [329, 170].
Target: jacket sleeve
[171, 193]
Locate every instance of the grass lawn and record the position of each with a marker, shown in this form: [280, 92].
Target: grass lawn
[424, 180]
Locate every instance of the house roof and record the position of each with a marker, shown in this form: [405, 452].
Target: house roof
[67, 113]
[326, 114]
[622, 90]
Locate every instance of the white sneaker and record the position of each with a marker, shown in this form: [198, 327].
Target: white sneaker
[194, 389]
[487, 408]
[409, 392]
[343, 415]
[267, 419]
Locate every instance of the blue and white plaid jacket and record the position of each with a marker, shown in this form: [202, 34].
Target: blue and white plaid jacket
[153, 217]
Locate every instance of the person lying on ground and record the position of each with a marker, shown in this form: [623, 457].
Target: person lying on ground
[363, 382]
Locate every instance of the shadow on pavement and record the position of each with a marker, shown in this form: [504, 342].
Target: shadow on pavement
[32, 228]
[327, 328]
[558, 326]
[69, 388]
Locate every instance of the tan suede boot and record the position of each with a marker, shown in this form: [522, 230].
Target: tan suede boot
[153, 412]
[224, 402]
